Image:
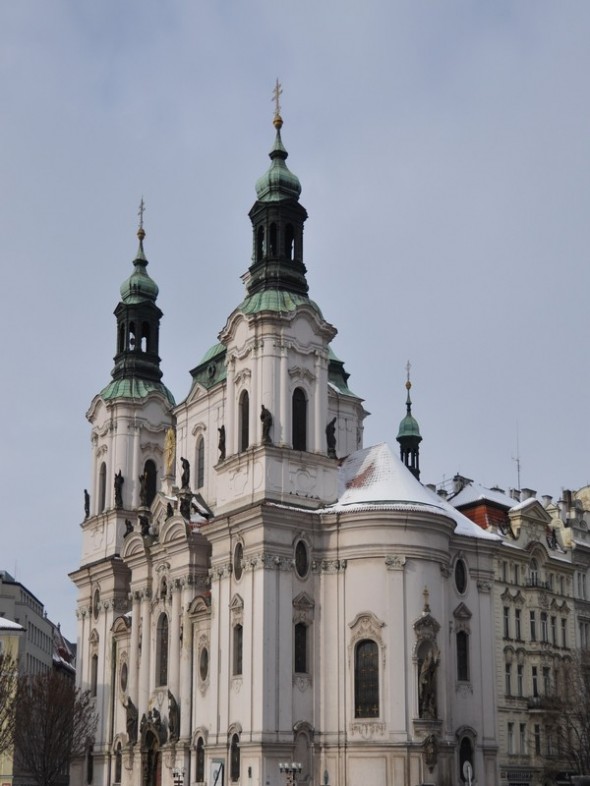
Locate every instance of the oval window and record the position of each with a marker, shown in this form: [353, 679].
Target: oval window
[238, 557]
[460, 576]
[301, 559]
[204, 664]
[124, 677]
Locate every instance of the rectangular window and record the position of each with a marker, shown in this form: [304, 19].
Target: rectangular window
[508, 679]
[519, 679]
[537, 739]
[238, 649]
[554, 631]
[546, 680]
[533, 626]
[511, 738]
[522, 735]
[544, 629]
[535, 682]
[517, 617]
[506, 622]
[516, 574]
[504, 571]
[462, 656]
[564, 633]
[300, 643]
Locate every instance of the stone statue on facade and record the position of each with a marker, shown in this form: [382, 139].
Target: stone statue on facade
[173, 717]
[185, 478]
[331, 438]
[131, 721]
[86, 504]
[119, 480]
[427, 686]
[221, 443]
[266, 418]
[143, 490]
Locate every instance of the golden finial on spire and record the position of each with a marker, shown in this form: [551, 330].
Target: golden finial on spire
[140, 212]
[276, 95]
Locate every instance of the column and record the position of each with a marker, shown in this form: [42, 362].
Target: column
[186, 657]
[284, 413]
[134, 651]
[144, 661]
[174, 660]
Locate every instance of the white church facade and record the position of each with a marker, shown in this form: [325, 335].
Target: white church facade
[256, 587]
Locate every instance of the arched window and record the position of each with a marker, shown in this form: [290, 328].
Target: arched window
[273, 239]
[238, 650]
[534, 572]
[118, 763]
[102, 487]
[145, 337]
[121, 341]
[289, 240]
[200, 774]
[465, 754]
[150, 483]
[244, 421]
[94, 674]
[462, 656]
[131, 344]
[162, 651]
[259, 244]
[366, 679]
[200, 461]
[234, 758]
[300, 648]
[299, 417]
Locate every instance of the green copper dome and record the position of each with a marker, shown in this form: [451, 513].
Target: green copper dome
[278, 182]
[408, 427]
[139, 287]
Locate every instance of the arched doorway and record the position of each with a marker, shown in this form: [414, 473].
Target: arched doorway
[152, 761]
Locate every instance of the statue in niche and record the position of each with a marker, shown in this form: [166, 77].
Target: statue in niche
[266, 418]
[331, 438]
[185, 478]
[169, 511]
[119, 480]
[131, 721]
[173, 717]
[86, 504]
[143, 490]
[427, 685]
[221, 443]
[144, 525]
[128, 528]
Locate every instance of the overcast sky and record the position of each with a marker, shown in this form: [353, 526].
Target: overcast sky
[443, 151]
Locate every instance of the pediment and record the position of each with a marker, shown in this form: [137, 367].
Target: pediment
[462, 612]
[237, 602]
[303, 602]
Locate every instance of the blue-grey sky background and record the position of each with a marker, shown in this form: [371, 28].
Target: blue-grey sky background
[443, 151]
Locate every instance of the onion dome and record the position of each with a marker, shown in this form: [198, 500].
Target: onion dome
[139, 287]
[278, 182]
[408, 436]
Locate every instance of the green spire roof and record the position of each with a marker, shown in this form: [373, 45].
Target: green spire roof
[278, 182]
[139, 287]
[409, 425]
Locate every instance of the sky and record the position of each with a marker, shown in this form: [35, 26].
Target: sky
[443, 152]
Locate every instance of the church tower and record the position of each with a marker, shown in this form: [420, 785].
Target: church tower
[130, 419]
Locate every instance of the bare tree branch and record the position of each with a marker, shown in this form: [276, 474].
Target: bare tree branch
[55, 721]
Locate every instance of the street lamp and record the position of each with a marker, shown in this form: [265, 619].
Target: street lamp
[291, 770]
[178, 775]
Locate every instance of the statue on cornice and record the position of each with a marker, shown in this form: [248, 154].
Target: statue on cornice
[119, 480]
[221, 443]
[266, 418]
[86, 504]
[131, 721]
[331, 438]
[185, 478]
[173, 717]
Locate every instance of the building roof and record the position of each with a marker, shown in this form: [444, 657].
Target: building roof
[375, 478]
[474, 492]
[6, 625]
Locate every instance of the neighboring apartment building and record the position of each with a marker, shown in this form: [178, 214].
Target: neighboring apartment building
[11, 634]
[542, 609]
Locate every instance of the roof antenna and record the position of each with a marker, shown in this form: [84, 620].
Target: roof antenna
[517, 458]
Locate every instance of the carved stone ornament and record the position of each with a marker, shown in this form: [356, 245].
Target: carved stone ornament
[302, 681]
[430, 746]
[237, 610]
[303, 608]
[395, 562]
[462, 617]
[367, 729]
[484, 586]
[426, 628]
[366, 626]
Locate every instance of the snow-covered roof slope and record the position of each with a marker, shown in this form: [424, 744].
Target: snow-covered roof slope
[475, 492]
[375, 478]
[9, 625]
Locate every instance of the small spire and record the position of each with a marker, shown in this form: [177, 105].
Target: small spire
[141, 234]
[408, 388]
[276, 95]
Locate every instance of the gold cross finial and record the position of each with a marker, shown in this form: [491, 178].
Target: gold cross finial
[140, 213]
[408, 383]
[276, 95]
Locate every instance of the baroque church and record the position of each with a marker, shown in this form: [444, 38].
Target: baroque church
[256, 587]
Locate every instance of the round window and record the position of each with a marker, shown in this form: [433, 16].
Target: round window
[238, 557]
[301, 559]
[204, 664]
[124, 677]
[460, 576]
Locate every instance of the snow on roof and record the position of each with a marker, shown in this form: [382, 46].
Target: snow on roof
[9, 625]
[373, 478]
[474, 492]
[525, 503]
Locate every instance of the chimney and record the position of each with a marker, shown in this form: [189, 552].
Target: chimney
[515, 494]
[547, 500]
[443, 493]
[527, 494]
[431, 486]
